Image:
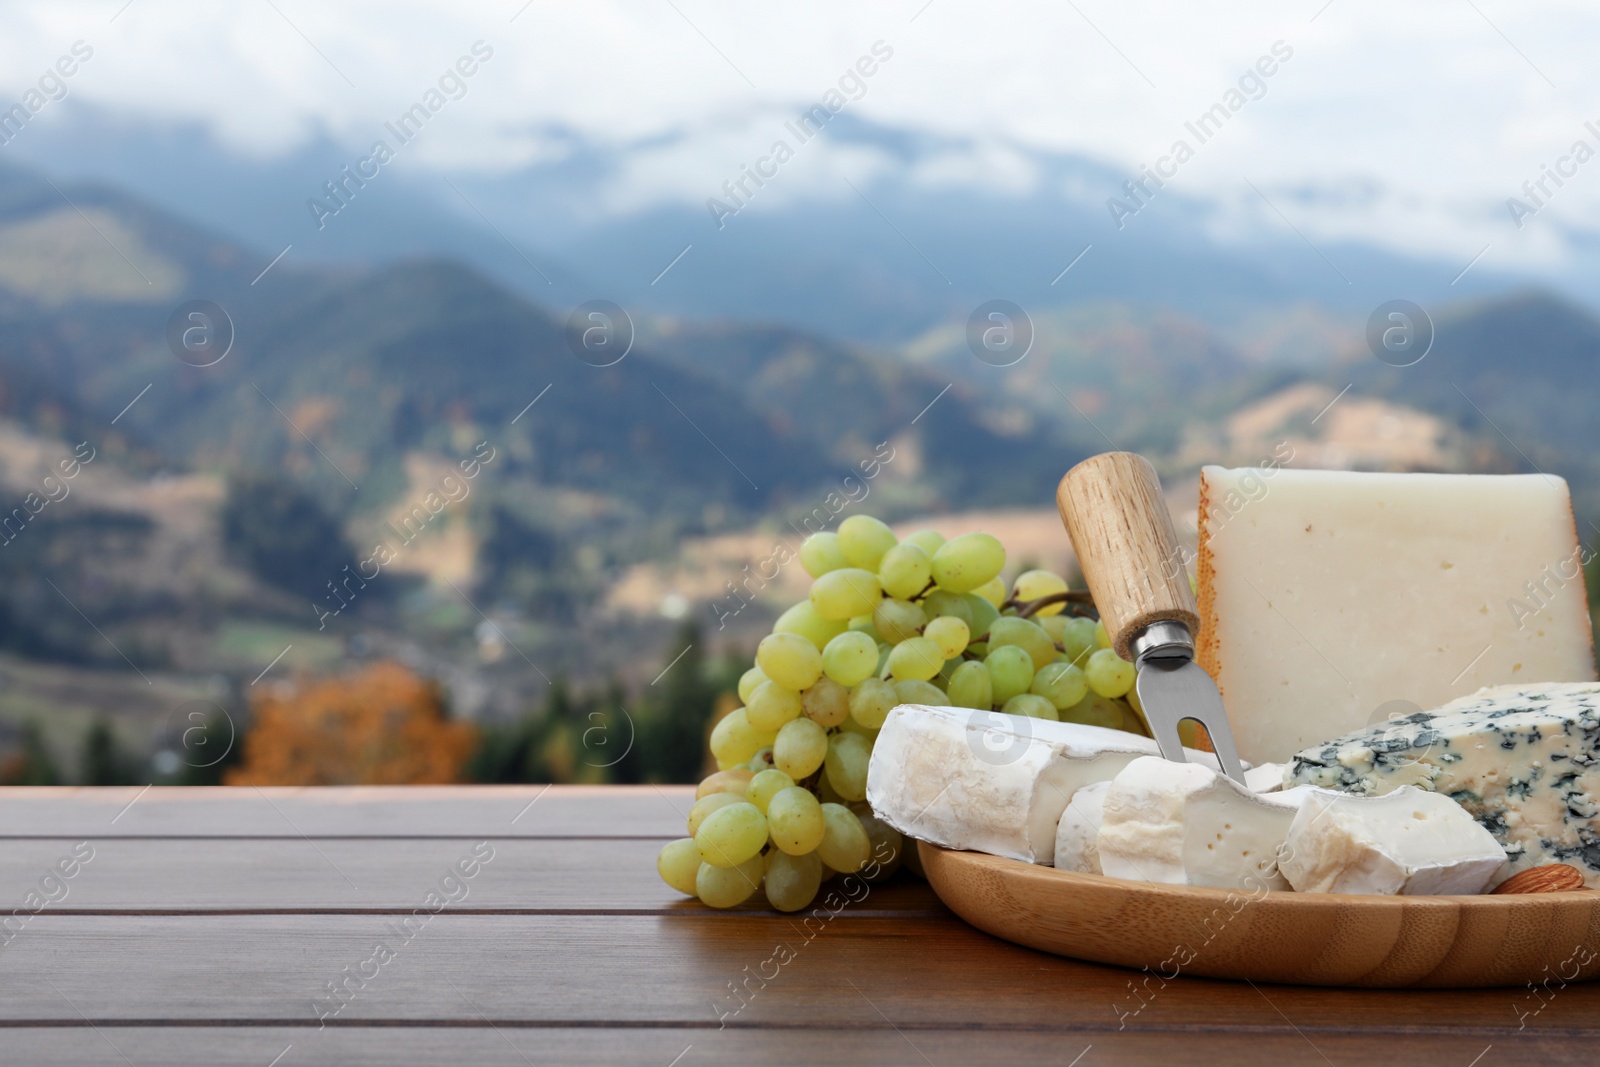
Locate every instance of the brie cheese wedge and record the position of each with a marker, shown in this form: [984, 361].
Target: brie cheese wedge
[1409, 841]
[989, 782]
[1185, 824]
[1077, 845]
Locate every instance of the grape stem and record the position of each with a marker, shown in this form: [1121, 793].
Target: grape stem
[1026, 609]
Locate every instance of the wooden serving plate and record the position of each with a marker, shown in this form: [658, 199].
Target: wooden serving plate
[1299, 938]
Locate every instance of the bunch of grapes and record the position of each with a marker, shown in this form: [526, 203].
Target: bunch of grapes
[888, 622]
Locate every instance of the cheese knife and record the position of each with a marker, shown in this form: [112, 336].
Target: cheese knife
[1117, 519]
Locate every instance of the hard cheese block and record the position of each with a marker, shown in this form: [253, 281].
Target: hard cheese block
[1409, 841]
[1077, 844]
[1525, 761]
[1185, 824]
[987, 782]
[1330, 599]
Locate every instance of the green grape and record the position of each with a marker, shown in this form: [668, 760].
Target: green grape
[735, 738]
[1078, 640]
[727, 887]
[827, 703]
[789, 659]
[1054, 625]
[765, 784]
[748, 682]
[963, 564]
[706, 805]
[1026, 635]
[1010, 672]
[1060, 683]
[994, 591]
[731, 834]
[864, 540]
[915, 657]
[950, 634]
[970, 686]
[843, 594]
[871, 702]
[862, 624]
[846, 764]
[795, 819]
[1031, 585]
[850, 658]
[679, 862]
[803, 619]
[942, 602]
[771, 705]
[983, 616]
[801, 747]
[1096, 710]
[762, 760]
[913, 691]
[1035, 707]
[792, 881]
[851, 726]
[1132, 721]
[845, 846]
[905, 571]
[930, 541]
[884, 843]
[1132, 697]
[1101, 638]
[825, 791]
[1108, 673]
[896, 620]
[820, 554]
[736, 782]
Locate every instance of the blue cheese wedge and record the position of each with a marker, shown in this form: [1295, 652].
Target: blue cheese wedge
[1521, 759]
[989, 782]
[1409, 842]
[1185, 824]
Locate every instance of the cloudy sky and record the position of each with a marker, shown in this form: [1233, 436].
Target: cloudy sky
[1405, 124]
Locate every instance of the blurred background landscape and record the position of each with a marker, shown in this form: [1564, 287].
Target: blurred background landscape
[387, 518]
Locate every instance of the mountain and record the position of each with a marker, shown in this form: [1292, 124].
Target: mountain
[1522, 369]
[874, 233]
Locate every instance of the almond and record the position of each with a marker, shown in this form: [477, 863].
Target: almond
[1551, 878]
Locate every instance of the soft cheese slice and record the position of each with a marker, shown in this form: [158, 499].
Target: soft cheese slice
[1185, 824]
[1409, 841]
[1266, 778]
[988, 782]
[1329, 598]
[1077, 847]
[1524, 760]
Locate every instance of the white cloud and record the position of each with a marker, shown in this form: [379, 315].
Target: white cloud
[1425, 104]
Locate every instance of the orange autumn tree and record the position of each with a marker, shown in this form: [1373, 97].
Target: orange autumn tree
[382, 726]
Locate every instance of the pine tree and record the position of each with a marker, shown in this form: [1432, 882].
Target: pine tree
[33, 765]
[673, 733]
[104, 762]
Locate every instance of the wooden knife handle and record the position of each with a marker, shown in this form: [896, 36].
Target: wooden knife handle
[1120, 528]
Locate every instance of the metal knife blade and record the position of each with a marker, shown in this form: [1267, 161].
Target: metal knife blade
[1172, 688]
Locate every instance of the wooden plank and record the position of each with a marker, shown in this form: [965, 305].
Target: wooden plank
[377, 811]
[512, 1046]
[274, 874]
[679, 971]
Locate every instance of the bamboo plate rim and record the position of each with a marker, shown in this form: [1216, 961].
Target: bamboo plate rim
[1018, 868]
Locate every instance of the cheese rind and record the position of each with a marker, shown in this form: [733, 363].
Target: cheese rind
[1409, 842]
[985, 781]
[1328, 598]
[1185, 824]
[1077, 844]
[1523, 760]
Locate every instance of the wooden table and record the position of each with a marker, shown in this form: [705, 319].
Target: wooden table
[208, 927]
